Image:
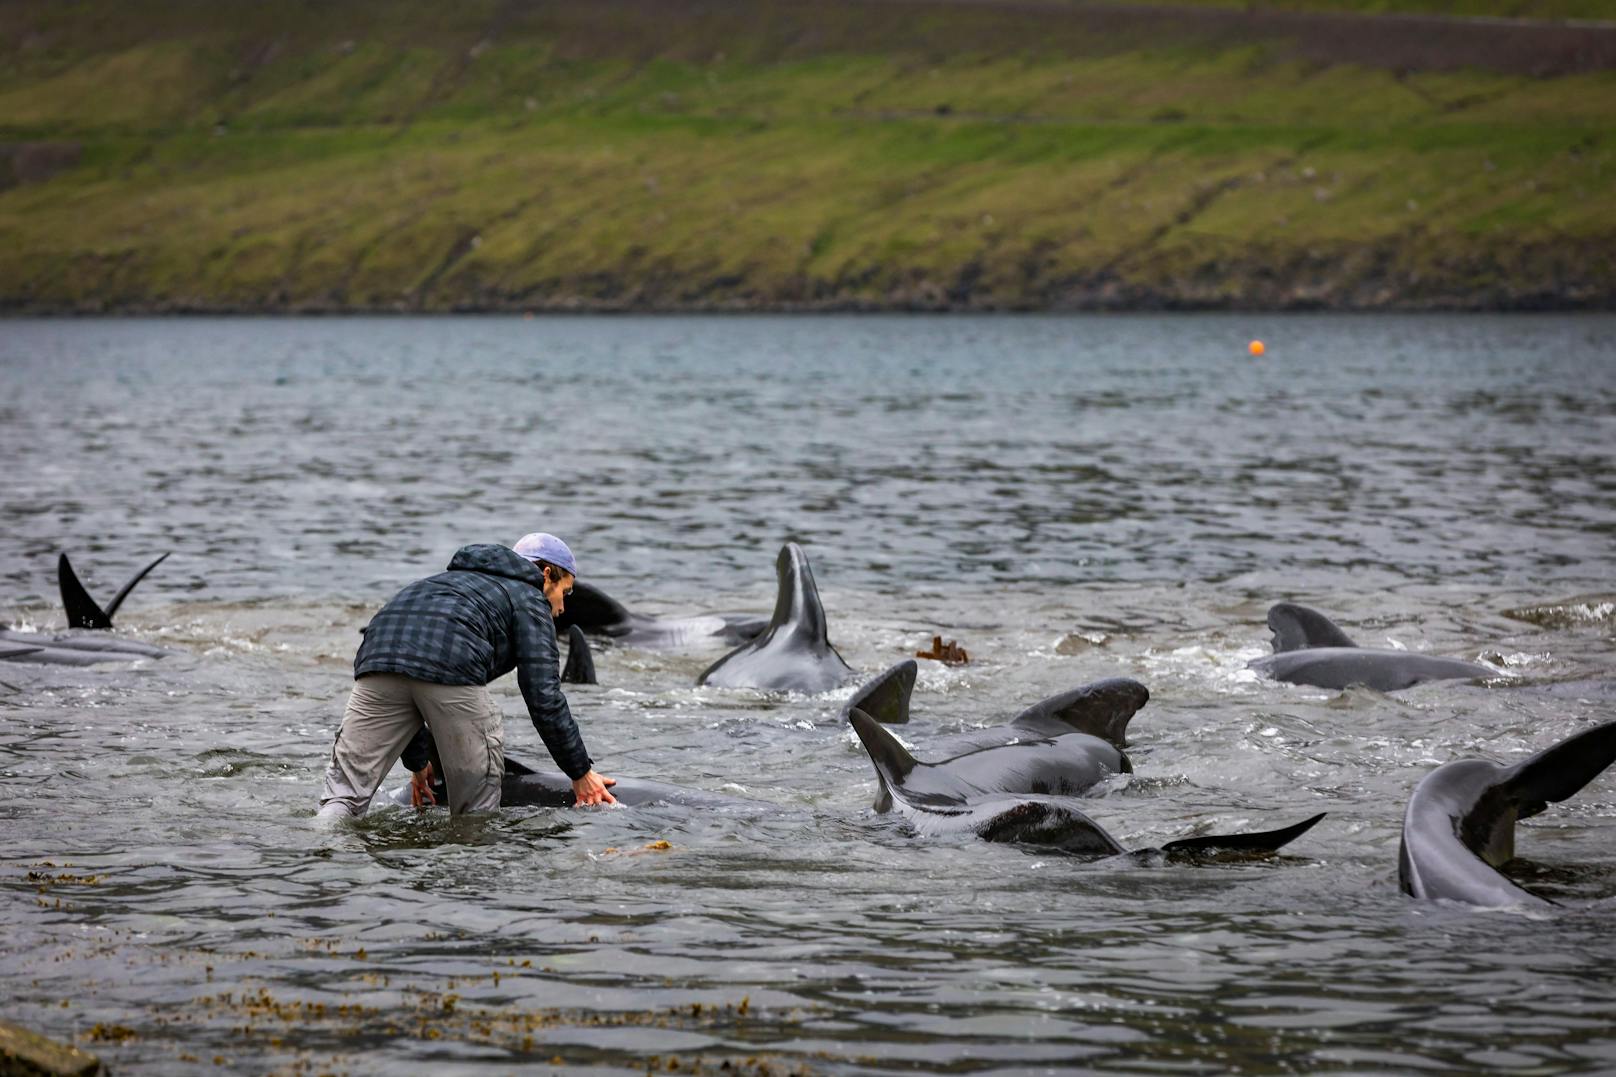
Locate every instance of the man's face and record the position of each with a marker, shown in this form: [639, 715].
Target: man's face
[556, 589]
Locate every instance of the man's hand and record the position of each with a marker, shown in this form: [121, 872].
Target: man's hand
[591, 789]
[421, 787]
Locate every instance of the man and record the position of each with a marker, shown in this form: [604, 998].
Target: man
[428, 656]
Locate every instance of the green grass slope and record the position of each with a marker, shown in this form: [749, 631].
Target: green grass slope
[677, 154]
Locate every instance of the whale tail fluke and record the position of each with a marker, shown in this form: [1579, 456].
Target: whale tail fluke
[82, 610]
[892, 760]
[1102, 709]
[1558, 773]
[1297, 628]
[886, 698]
[580, 667]
[1266, 841]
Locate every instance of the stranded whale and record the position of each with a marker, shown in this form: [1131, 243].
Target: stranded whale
[79, 648]
[597, 613]
[1460, 822]
[1309, 649]
[1064, 744]
[1100, 709]
[794, 653]
[944, 808]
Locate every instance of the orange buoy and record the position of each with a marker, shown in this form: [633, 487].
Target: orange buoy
[1255, 348]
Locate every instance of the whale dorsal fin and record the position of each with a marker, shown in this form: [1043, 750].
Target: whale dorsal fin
[1265, 841]
[796, 605]
[580, 667]
[591, 608]
[82, 610]
[892, 760]
[1296, 628]
[1102, 709]
[886, 698]
[513, 766]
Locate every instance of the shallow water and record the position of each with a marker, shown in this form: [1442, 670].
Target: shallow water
[1069, 497]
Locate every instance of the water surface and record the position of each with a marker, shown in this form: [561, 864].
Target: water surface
[1069, 497]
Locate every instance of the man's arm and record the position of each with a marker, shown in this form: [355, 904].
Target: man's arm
[538, 673]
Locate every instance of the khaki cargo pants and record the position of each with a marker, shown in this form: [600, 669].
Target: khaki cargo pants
[384, 712]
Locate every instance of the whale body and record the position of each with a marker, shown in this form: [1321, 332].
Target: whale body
[597, 613]
[1309, 649]
[794, 653]
[83, 612]
[1099, 709]
[525, 787]
[937, 803]
[1459, 826]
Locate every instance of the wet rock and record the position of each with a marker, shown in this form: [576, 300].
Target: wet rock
[24, 1053]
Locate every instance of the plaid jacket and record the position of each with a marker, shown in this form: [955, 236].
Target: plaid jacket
[484, 617]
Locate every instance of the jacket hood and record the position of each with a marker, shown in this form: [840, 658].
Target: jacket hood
[493, 559]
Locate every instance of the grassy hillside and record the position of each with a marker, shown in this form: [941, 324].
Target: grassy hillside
[684, 154]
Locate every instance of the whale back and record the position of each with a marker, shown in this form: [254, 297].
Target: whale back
[886, 697]
[1101, 709]
[593, 610]
[1459, 826]
[1298, 628]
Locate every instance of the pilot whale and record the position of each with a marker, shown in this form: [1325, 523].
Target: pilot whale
[1459, 826]
[525, 787]
[794, 653]
[939, 806]
[594, 611]
[1309, 649]
[1099, 709]
[1057, 766]
[83, 612]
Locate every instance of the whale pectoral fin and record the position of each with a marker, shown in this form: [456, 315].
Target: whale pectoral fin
[1557, 773]
[123, 592]
[1258, 843]
[1102, 709]
[892, 761]
[886, 698]
[580, 667]
[1297, 628]
[82, 611]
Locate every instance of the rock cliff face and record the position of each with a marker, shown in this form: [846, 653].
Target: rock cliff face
[844, 154]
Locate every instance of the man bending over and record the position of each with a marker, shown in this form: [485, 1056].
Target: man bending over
[428, 657]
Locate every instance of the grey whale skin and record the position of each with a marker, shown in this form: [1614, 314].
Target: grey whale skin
[1309, 649]
[1062, 745]
[525, 787]
[594, 611]
[794, 653]
[1047, 821]
[77, 648]
[1099, 709]
[1459, 826]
